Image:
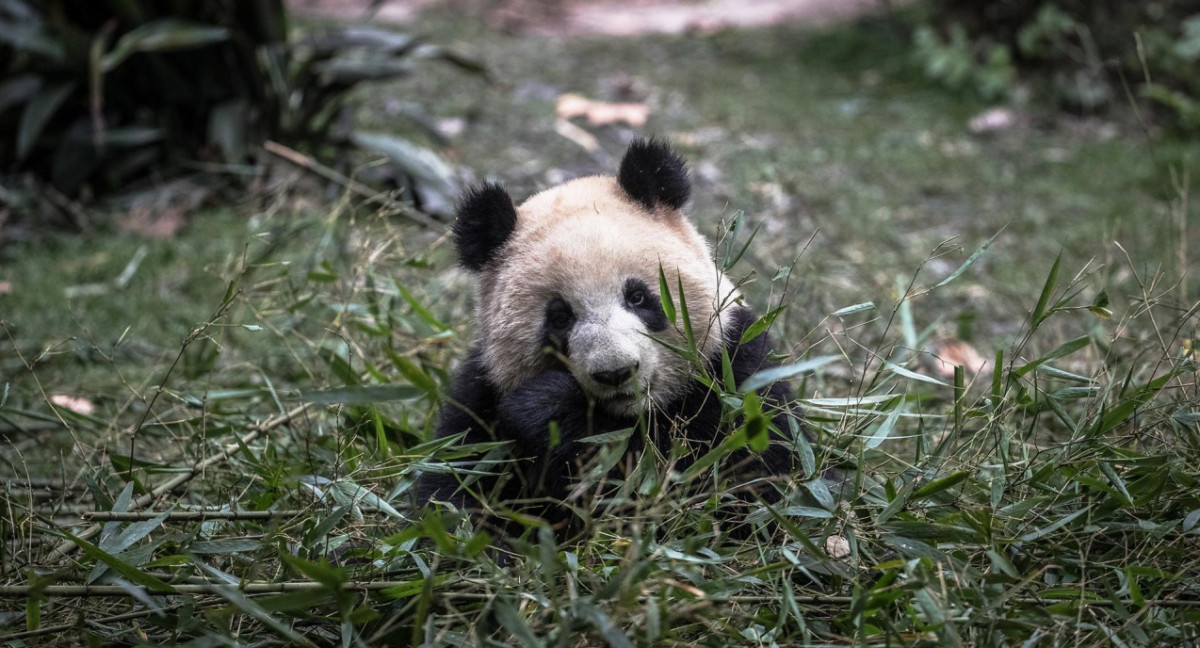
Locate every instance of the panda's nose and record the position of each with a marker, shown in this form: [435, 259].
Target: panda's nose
[615, 377]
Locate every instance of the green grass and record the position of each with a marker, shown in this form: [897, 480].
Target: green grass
[300, 352]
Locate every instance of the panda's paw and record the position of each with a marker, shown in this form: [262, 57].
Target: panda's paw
[553, 395]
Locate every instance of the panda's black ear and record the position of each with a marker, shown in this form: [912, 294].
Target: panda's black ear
[486, 218]
[653, 175]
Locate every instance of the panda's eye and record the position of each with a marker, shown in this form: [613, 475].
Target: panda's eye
[559, 315]
[636, 298]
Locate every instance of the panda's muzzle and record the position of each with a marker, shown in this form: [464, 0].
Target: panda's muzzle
[615, 377]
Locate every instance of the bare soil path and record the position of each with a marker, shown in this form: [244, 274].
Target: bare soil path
[613, 17]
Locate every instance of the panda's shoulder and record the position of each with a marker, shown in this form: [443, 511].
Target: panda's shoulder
[752, 355]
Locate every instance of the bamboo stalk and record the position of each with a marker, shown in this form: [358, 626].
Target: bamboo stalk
[186, 516]
[363, 191]
[252, 587]
[265, 587]
[65, 548]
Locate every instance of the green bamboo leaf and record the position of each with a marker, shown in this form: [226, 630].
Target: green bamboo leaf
[784, 372]
[225, 546]
[1062, 522]
[1129, 405]
[508, 617]
[939, 485]
[884, 430]
[761, 324]
[1039, 311]
[688, 333]
[908, 373]
[348, 493]
[856, 308]
[131, 573]
[414, 160]
[1114, 478]
[969, 262]
[420, 309]
[162, 35]
[18, 90]
[413, 372]
[37, 114]
[898, 502]
[664, 296]
[251, 608]
[1065, 349]
[362, 394]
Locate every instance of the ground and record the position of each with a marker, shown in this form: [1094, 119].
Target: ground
[867, 187]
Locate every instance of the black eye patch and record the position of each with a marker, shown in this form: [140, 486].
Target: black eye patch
[644, 303]
[558, 322]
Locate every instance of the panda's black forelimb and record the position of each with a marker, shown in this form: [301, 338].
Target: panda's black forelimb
[547, 463]
[547, 415]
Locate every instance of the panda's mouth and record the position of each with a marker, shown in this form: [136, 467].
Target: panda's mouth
[621, 404]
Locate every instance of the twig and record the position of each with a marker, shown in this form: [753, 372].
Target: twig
[66, 547]
[185, 516]
[363, 191]
[252, 587]
[67, 627]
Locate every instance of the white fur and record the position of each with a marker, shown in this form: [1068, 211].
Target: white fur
[581, 241]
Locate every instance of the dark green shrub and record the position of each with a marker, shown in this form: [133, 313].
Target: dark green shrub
[96, 95]
[1076, 52]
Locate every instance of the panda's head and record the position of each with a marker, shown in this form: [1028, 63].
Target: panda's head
[572, 276]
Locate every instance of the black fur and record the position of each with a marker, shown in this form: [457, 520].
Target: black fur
[653, 175]
[651, 310]
[547, 470]
[486, 218]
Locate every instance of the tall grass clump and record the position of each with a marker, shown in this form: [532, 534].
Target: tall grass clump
[253, 486]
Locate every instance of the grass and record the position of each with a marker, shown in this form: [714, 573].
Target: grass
[290, 360]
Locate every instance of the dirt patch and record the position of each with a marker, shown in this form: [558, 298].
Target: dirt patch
[613, 18]
[623, 19]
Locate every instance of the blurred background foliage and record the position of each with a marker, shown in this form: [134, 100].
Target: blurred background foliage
[1084, 55]
[98, 97]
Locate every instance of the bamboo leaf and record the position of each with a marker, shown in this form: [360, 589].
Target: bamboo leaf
[362, 394]
[664, 296]
[856, 308]
[784, 372]
[760, 325]
[1039, 311]
[1064, 350]
[908, 373]
[884, 430]
[131, 573]
[1060, 523]
[162, 35]
[969, 262]
[37, 114]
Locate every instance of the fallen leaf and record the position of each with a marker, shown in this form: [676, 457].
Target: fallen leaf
[992, 120]
[950, 353]
[73, 403]
[600, 113]
[152, 224]
[837, 546]
[577, 135]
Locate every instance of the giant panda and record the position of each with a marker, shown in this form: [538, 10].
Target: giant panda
[573, 339]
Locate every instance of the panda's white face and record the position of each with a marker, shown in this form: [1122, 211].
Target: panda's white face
[601, 330]
[577, 283]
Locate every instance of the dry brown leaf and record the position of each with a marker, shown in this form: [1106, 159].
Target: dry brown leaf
[152, 224]
[992, 120]
[577, 135]
[949, 353]
[600, 113]
[73, 403]
[837, 547]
